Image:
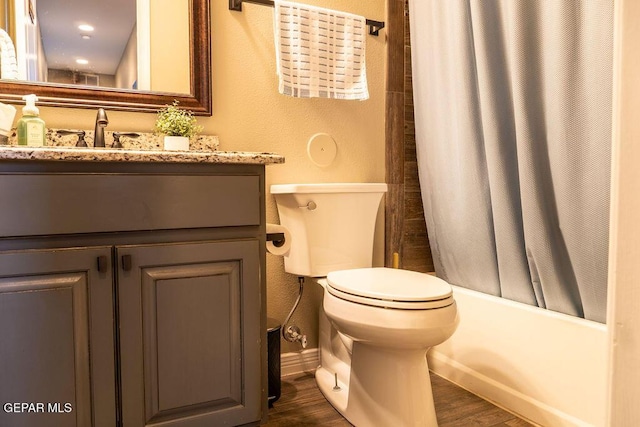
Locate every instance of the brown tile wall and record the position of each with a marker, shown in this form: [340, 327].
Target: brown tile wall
[406, 231]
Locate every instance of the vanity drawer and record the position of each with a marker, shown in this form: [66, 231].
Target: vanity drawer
[90, 203]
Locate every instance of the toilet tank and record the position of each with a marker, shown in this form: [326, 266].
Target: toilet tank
[332, 225]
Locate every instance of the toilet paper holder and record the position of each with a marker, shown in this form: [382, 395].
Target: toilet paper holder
[276, 238]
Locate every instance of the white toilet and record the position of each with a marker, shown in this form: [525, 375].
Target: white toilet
[376, 324]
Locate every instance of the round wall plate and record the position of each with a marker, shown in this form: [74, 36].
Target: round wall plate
[322, 149]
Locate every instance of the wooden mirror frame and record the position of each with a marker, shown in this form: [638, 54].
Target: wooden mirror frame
[198, 101]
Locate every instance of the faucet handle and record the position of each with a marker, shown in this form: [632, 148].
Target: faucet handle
[81, 142]
[117, 135]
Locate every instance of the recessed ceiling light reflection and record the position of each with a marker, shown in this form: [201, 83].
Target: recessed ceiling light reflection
[85, 27]
[81, 61]
[85, 36]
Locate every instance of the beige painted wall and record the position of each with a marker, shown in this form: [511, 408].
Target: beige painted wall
[250, 115]
[169, 36]
[127, 71]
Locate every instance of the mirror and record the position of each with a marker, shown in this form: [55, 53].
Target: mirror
[194, 92]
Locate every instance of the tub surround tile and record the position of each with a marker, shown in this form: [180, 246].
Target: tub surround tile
[406, 231]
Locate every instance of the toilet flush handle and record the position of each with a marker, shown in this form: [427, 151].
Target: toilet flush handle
[311, 206]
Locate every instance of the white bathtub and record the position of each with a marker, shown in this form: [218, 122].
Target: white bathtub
[547, 367]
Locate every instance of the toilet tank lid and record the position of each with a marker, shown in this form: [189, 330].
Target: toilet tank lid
[342, 187]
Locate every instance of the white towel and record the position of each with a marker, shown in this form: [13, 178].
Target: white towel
[9, 67]
[320, 52]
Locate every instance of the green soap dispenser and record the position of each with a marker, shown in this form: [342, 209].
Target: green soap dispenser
[30, 126]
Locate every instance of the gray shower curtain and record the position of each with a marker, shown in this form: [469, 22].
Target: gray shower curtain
[513, 106]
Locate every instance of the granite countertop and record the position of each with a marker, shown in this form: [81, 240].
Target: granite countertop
[12, 152]
[142, 147]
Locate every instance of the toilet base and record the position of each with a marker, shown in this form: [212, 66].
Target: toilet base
[386, 387]
[338, 397]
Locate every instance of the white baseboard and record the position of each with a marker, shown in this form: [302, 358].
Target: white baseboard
[500, 394]
[299, 361]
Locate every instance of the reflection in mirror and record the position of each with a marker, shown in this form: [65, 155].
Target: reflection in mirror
[113, 44]
[133, 54]
[86, 43]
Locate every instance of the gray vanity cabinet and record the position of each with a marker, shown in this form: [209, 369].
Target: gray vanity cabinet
[56, 338]
[132, 294]
[187, 313]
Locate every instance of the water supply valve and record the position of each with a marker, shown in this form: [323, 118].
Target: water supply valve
[293, 334]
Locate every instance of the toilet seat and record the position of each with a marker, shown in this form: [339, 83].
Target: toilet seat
[390, 288]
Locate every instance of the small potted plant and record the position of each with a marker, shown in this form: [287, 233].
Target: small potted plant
[177, 125]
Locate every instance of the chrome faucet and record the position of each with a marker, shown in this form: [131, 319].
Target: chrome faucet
[101, 122]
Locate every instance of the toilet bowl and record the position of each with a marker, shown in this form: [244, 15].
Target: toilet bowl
[376, 324]
[385, 378]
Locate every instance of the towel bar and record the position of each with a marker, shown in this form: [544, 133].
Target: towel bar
[374, 26]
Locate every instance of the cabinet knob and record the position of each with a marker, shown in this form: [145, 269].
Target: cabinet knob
[126, 262]
[103, 263]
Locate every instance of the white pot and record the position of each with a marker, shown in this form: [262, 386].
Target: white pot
[176, 143]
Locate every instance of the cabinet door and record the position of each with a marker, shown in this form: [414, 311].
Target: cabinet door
[190, 341]
[56, 338]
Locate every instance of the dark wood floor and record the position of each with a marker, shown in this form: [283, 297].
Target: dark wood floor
[302, 404]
